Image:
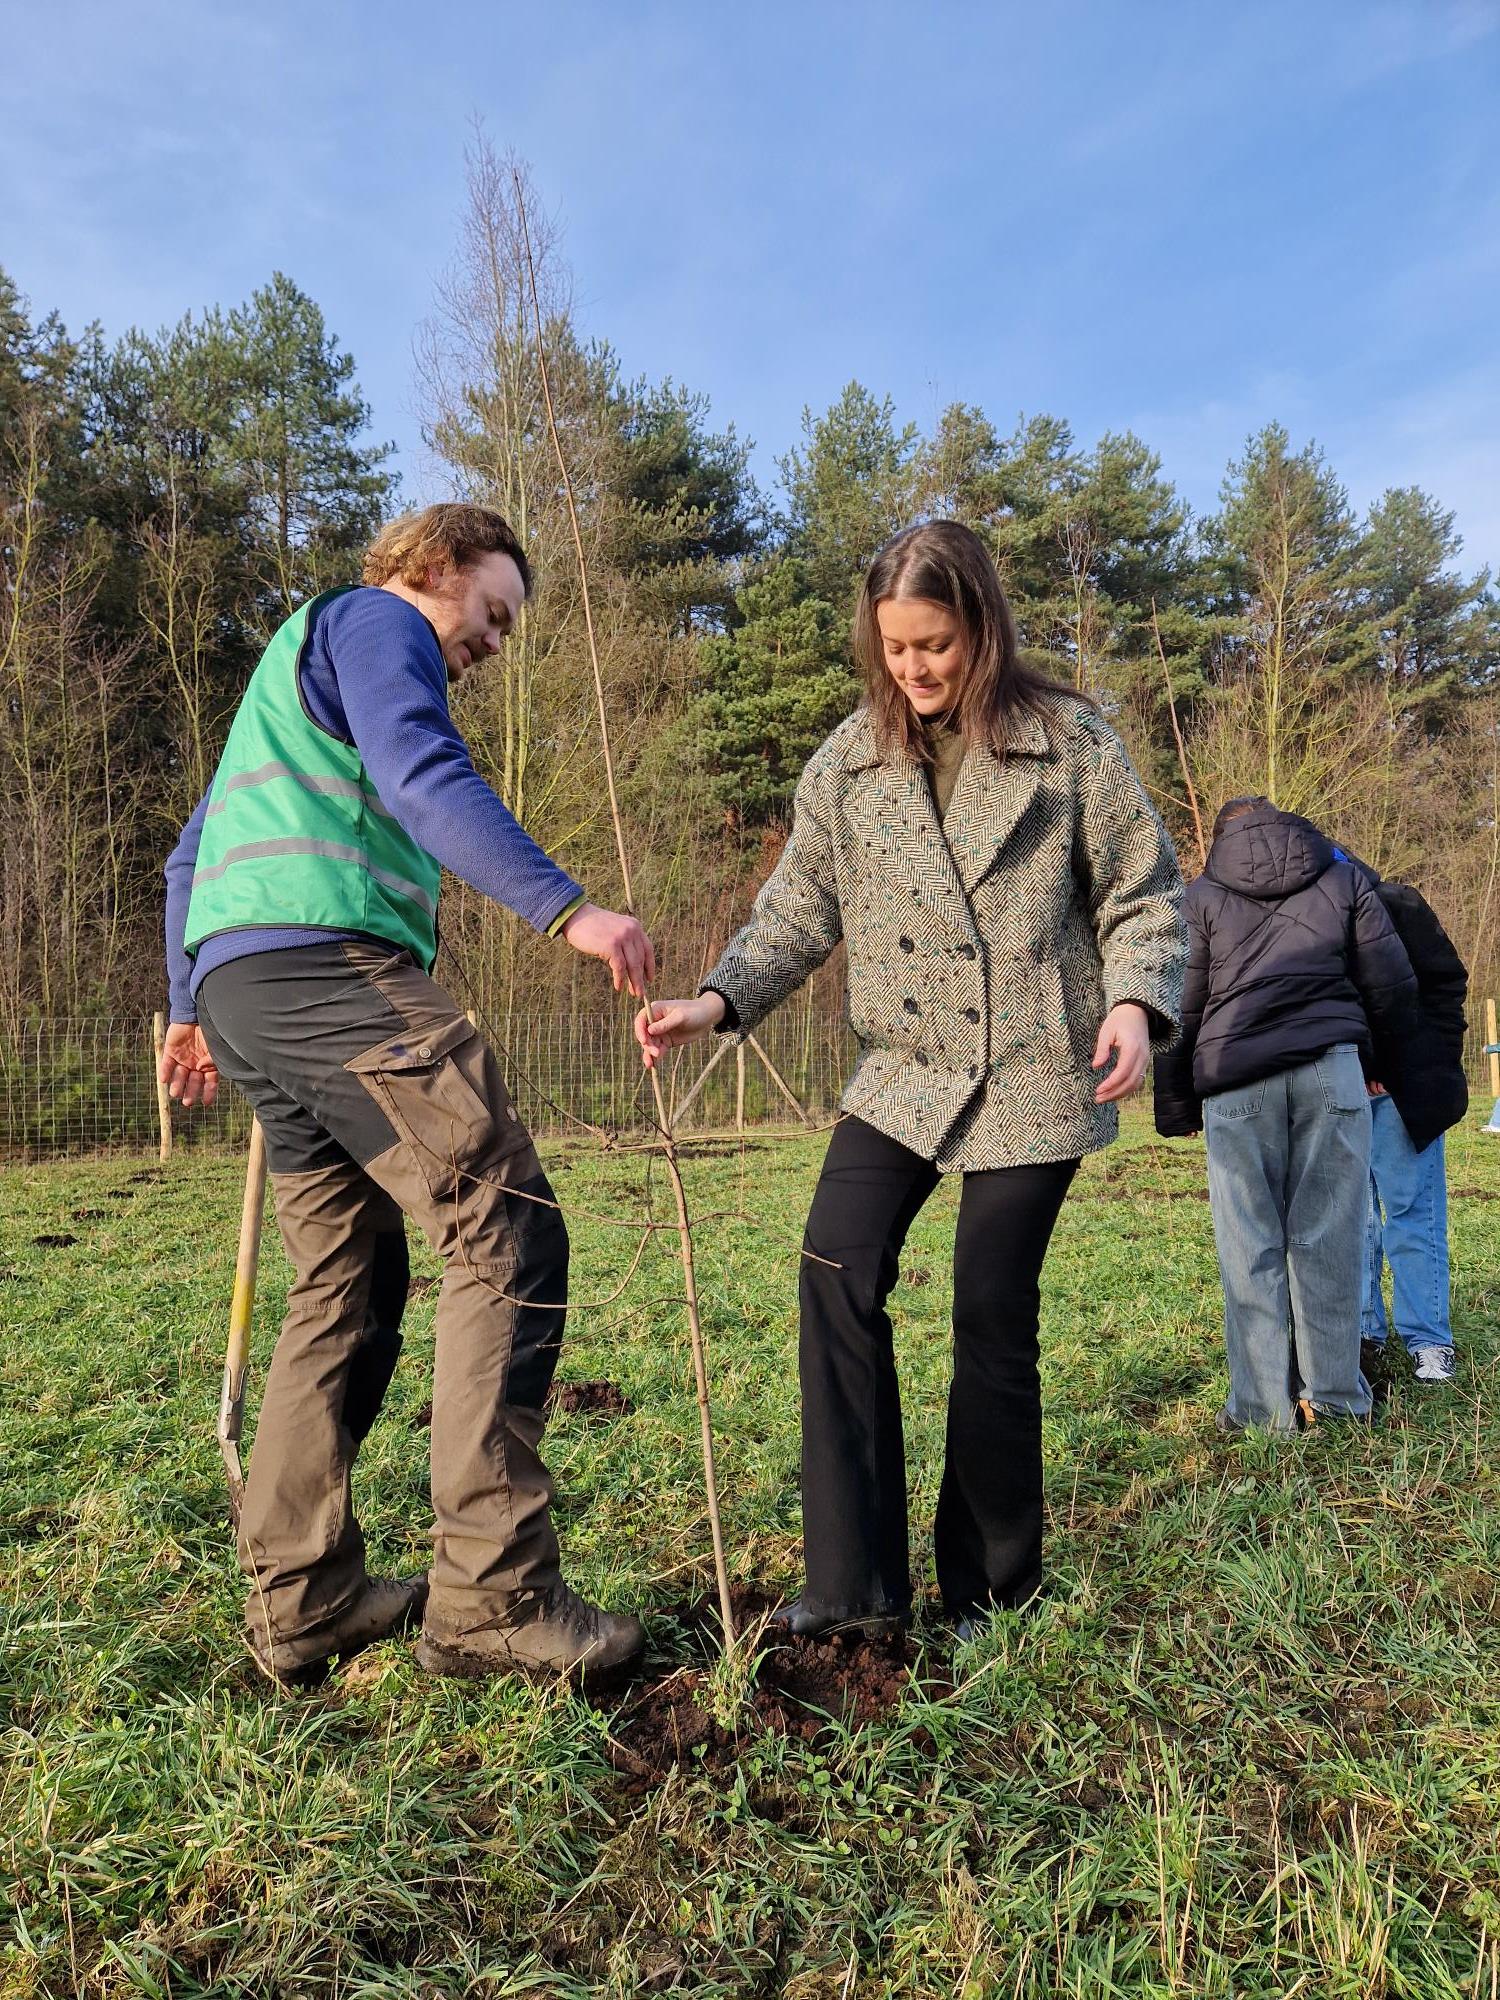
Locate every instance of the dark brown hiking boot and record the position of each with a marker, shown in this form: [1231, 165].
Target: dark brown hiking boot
[385, 1606]
[543, 1634]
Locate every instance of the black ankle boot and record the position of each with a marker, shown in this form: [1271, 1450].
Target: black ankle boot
[805, 1621]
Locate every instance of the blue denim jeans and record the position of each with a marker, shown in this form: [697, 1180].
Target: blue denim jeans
[1412, 1237]
[1289, 1181]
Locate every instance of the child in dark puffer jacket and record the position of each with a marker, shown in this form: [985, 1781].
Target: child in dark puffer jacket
[1298, 991]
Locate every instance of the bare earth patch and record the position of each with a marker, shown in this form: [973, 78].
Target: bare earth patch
[801, 1688]
[606, 1399]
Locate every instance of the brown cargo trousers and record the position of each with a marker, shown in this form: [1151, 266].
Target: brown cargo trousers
[377, 1098]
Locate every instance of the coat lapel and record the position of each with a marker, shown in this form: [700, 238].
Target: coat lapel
[989, 800]
[891, 810]
[941, 862]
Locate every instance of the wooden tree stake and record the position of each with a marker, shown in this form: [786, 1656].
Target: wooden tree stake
[703, 1075]
[780, 1081]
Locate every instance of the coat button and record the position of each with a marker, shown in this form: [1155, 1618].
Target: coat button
[921, 1059]
[966, 951]
[907, 945]
[972, 1014]
[910, 1005]
[425, 1054]
[973, 1072]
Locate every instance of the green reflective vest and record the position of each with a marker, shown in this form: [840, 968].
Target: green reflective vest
[295, 833]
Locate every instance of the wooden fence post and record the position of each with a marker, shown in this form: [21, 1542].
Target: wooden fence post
[163, 1102]
[1493, 1040]
[739, 1087]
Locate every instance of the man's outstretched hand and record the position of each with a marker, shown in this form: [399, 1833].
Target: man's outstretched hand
[619, 941]
[186, 1067]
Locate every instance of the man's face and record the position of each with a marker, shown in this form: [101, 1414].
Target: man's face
[474, 610]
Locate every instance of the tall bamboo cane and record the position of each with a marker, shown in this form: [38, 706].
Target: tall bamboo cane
[684, 1225]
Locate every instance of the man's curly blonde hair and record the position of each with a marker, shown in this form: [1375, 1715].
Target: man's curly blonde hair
[447, 536]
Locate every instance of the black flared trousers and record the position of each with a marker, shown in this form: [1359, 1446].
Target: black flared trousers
[988, 1531]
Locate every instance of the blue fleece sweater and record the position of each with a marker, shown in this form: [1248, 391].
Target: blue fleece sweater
[373, 675]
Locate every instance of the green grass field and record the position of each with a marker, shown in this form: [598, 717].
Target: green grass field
[1249, 1746]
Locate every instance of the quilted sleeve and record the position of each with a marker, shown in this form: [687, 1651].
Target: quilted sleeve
[1386, 984]
[1179, 1109]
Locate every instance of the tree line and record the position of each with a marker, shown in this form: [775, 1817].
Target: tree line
[166, 498]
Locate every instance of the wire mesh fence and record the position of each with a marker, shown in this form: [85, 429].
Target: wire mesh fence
[89, 1086]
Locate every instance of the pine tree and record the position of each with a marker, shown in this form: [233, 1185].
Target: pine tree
[1297, 650]
[317, 488]
[772, 689]
[1439, 636]
[850, 485]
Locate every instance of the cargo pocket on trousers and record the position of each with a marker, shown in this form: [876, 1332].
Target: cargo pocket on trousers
[445, 1099]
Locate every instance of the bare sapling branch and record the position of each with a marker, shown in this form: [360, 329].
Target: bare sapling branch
[1182, 758]
[669, 1146]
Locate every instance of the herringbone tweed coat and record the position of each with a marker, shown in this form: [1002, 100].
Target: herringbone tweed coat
[984, 951]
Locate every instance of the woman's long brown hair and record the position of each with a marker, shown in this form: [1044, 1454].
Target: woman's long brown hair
[948, 564]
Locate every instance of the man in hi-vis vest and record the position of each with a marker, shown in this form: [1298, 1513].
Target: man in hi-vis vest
[301, 932]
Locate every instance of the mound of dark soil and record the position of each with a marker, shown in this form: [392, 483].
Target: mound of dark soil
[57, 1239]
[605, 1398]
[802, 1686]
[416, 1286]
[89, 1214]
[602, 1398]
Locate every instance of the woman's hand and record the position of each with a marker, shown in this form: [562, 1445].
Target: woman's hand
[1126, 1034]
[669, 1024]
[186, 1067]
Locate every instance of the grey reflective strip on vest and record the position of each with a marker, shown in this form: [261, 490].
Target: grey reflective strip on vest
[256, 850]
[338, 788]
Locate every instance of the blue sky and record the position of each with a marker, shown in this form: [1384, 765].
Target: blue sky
[1175, 218]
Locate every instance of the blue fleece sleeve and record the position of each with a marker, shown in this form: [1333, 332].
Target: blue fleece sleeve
[392, 688]
[179, 873]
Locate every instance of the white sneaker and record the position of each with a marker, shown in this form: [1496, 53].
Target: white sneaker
[1433, 1364]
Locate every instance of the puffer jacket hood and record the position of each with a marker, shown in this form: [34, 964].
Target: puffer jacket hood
[1269, 855]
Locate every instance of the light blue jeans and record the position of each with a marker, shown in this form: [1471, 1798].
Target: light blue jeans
[1412, 1188]
[1289, 1181]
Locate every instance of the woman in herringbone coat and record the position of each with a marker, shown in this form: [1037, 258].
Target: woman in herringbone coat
[1011, 908]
